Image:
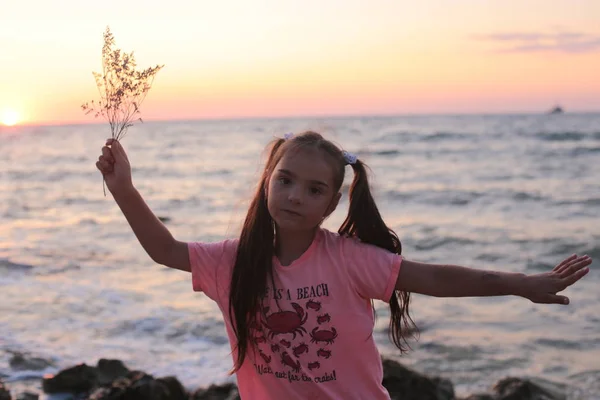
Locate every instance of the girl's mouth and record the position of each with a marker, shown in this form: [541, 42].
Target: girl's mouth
[292, 213]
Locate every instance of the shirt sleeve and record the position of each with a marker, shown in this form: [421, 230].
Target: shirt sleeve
[373, 271]
[211, 265]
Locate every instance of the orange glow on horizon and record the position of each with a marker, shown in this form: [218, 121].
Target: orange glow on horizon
[258, 61]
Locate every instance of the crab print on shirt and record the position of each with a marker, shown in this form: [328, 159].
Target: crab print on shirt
[295, 336]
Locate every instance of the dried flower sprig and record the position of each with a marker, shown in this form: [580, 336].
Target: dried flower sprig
[122, 88]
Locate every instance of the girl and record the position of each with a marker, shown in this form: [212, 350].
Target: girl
[297, 299]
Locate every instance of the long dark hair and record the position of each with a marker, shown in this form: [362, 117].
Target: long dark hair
[254, 260]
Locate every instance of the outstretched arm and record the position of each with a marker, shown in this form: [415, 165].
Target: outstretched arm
[152, 234]
[456, 281]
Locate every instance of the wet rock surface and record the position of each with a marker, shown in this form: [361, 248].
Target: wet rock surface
[112, 380]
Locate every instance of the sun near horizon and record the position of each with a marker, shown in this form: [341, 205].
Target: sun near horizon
[10, 117]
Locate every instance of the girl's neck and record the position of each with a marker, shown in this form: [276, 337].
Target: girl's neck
[289, 246]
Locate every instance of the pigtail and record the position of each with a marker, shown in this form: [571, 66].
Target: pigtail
[253, 265]
[364, 222]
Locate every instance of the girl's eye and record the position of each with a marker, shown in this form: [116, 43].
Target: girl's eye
[284, 180]
[315, 190]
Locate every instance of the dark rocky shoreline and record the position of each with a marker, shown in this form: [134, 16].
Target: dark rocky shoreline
[112, 380]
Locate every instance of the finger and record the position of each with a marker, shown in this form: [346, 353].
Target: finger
[117, 149]
[571, 279]
[565, 262]
[102, 169]
[576, 266]
[115, 145]
[104, 164]
[106, 167]
[112, 143]
[554, 299]
[107, 154]
[570, 264]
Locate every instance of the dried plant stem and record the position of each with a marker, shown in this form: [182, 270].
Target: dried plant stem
[122, 89]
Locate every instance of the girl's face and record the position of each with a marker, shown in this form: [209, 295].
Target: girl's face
[301, 192]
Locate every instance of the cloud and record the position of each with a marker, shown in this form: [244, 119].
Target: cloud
[529, 42]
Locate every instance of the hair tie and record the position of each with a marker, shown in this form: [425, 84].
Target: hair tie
[349, 157]
[288, 136]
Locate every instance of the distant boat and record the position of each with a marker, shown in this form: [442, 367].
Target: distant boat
[556, 110]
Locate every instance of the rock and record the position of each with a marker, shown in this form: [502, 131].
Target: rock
[403, 383]
[4, 393]
[176, 389]
[19, 362]
[28, 396]
[138, 385]
[146, 389]
[524, 389]
[109, 370]
[112, 380]
[77, 379]
[123, 387]
[227, 391]
[100, 393]
[556, 110]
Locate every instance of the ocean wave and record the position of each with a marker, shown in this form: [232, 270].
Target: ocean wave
[561, 136]
[57, 270]
[455, 352]
[562, 344]
[438, 136]
[436, 242]
[592, 251]
[489, 257]
[211, 329]
[558, 248]
[88, 221]
[398, 195]
[407, 136]
[395, 137]
[580, 151]
[9, 266]
[585, 385]
[170, 328]
[538, 266]
[594, 201]
[217, 172]
[436, 197]
[561, 248]
[381, 153]
[524, 196]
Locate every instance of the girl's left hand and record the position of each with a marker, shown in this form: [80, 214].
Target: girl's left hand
[542, 288]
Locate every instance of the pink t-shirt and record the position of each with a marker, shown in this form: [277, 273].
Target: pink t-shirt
[319, 344]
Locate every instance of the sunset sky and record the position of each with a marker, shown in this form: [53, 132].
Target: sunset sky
[256, 58]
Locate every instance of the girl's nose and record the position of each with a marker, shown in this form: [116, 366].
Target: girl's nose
[295, 195]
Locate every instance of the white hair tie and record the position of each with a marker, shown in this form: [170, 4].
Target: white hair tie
[349, 157]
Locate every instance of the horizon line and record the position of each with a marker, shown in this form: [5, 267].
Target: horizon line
[315, 116]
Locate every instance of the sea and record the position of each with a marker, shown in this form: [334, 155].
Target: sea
[512, 193]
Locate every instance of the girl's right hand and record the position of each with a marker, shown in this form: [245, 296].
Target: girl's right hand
[114, 166]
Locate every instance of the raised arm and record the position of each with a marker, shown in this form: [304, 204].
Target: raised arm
[152, 234]
[456, 281]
